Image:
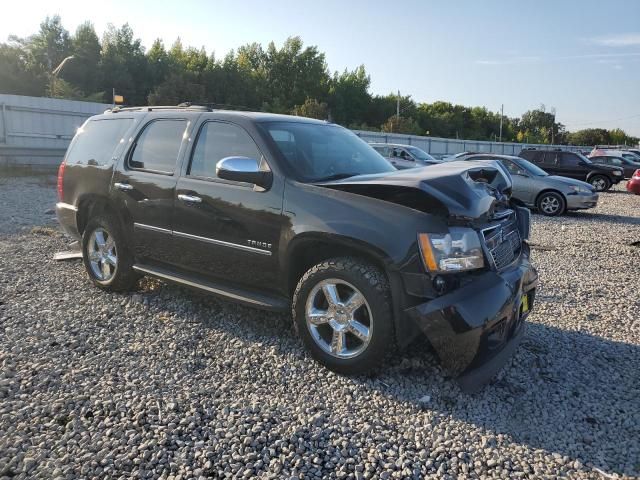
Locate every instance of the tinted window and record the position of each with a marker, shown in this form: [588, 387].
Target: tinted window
[158, 146]
[569, 160]
[218, 140]
[96, 141]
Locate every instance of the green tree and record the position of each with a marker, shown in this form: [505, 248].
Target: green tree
[15, 75]
[401, 124]
[349, 96]
[311, 108]
[83, 71]
[124, 65]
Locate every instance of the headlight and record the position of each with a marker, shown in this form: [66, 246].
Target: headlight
[579, 189]
[456, 251]
[617, 173]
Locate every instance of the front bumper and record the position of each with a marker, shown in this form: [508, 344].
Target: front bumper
[475, 329]
[579, 201]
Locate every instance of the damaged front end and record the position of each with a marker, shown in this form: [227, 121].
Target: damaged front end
[472, 286]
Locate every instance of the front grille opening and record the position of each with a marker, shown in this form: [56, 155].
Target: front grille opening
[503, 242]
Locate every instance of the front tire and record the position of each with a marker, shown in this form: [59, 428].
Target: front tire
[600, 183]
[342, 312]
[106, 256]
[551, 204]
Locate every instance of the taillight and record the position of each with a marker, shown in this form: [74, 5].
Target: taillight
[61, 180]
[636, 174]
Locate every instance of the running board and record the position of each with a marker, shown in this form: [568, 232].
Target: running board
[249, 298]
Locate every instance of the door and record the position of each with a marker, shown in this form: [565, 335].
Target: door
[144, 186]
[522, 182]
[570, 165]
[227, 231]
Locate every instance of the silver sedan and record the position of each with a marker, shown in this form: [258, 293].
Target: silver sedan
[551, 195]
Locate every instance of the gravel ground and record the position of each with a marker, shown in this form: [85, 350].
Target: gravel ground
[164, 382]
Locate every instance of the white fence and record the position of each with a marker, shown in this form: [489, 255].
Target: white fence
[441, 147]
[37, 131]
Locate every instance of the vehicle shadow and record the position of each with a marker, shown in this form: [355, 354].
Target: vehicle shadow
[601, 217]
[566, 392]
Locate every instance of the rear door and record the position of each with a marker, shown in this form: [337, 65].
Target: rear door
[144, 186]
[227, 231]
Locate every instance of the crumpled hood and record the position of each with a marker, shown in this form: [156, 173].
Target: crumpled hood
[463, 189]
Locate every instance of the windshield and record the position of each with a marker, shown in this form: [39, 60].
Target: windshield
[318, 152]
[631, 157]
[421, 154]
[531, 168]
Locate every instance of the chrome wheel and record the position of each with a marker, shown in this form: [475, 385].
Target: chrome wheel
[103, 257]
[550, 204]
[339, 318]
[599, 184]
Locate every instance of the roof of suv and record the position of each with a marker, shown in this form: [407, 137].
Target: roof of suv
[198, 109]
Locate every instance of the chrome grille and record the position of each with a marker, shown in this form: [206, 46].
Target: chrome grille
[503, 242]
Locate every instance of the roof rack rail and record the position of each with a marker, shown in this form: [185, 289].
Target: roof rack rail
[181, 107]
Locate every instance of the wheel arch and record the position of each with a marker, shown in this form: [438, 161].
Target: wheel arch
[308, 250]
[551, 190]
[91, 205]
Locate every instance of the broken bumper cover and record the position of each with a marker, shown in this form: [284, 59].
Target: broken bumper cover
[476, 328]
[67, 215]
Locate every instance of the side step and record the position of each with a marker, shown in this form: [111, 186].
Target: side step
[252, 299]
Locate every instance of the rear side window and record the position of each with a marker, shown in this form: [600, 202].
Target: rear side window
[550, 158]
[158, 145]
[218, 140]
[96, 141]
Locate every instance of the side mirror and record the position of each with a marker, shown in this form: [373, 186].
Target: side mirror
[244, 169]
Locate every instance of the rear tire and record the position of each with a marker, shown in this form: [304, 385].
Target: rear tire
[551, 204]
[600, 183]
[106, 256]
[342, 312]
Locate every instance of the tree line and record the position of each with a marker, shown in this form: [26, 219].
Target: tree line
[293, 79]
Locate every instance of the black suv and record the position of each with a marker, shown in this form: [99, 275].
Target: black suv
[574, 165]
[288, 213]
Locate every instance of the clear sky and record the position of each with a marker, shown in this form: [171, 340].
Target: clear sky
[581, 57]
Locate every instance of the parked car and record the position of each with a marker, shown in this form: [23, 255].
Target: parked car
[299, 215]
[551, 195]
[628, 154]
[404, 156]
[628, 166]
[634, 150]
[633, 185]
[574, 165]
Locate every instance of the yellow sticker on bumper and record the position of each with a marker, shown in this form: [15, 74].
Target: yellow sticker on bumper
[525, 303]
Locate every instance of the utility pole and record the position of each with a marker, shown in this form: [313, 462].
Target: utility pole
[501, 116]
[398, 107]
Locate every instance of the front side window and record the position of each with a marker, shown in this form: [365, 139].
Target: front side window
[96, 141]
[318, 152]
[218, 140]
[158, 146]
[569, 160]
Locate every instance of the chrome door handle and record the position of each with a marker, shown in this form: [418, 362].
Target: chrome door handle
[123, 186]
[189, 198]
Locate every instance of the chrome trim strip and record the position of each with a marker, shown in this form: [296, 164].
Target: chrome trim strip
[67, 206]
[246, 248]
[201, 286]
[152, 228]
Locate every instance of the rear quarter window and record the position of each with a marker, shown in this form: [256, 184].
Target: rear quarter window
[96, 141]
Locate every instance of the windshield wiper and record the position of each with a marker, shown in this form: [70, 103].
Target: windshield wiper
[336, 176]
